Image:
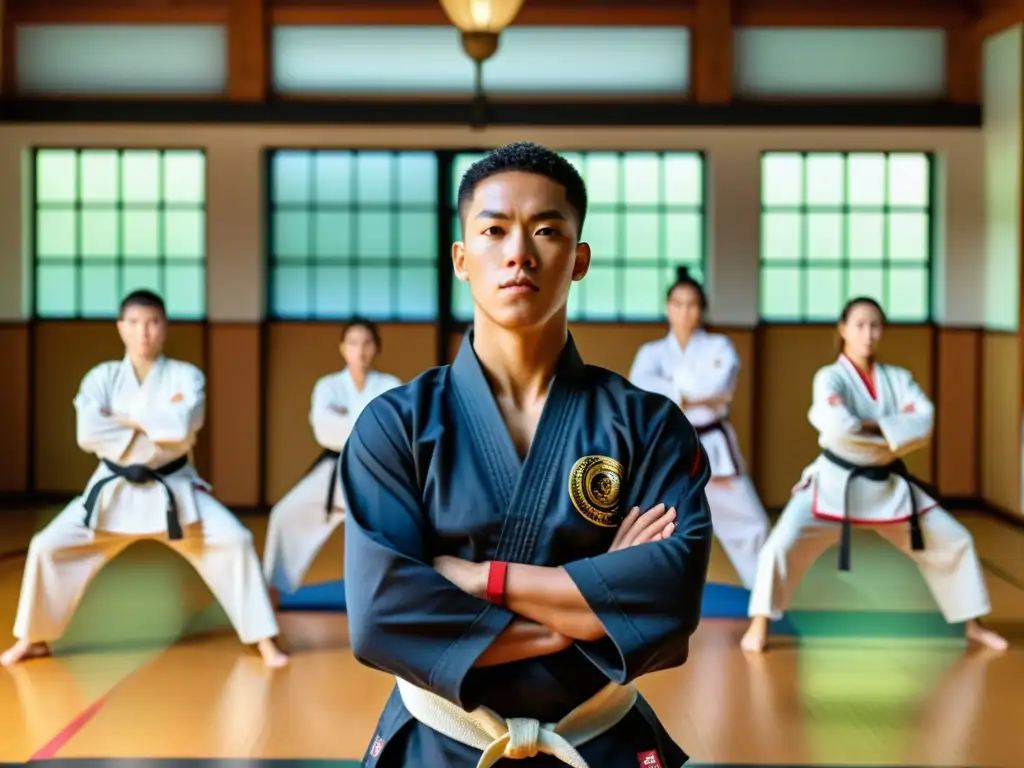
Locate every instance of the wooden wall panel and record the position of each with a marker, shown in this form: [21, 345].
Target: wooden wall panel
[14, 394]
[957, 420]
[297, 355]
[1000, 444]
[64, 352]
[233, 419]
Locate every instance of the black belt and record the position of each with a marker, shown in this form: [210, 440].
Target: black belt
[327, 453]
[714, 426]
[140, 474]
[879, 473]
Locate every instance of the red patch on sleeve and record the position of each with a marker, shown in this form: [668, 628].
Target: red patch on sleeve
[177, 398]
[835, 400]
[909, 408]
[648, 759]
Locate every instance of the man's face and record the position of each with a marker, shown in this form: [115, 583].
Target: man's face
[520, 250]
[143, 331]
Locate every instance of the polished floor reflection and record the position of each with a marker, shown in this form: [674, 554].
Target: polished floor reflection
[151, 669]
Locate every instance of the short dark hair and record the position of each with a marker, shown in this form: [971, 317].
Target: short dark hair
[142, 298]
[362, 322]
[530, 158]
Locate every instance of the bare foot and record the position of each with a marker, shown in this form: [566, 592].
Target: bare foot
[272, 654]
[23, 650]
[756, 637]
[974, 632]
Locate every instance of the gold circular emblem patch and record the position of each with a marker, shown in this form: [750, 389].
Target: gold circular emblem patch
[594, 486]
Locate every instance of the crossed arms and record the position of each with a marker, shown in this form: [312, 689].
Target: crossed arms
[630, 610]
[108, 435]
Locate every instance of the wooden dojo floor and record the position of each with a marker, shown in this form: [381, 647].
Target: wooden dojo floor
[150, 669]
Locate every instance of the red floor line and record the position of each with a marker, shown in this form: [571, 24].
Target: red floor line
[54, 745]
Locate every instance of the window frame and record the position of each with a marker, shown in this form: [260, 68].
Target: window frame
[845, 209]
[394, 262]
[77, 261]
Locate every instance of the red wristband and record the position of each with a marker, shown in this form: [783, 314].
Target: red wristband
[496, 582]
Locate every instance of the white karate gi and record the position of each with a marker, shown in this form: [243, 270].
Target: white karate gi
[811, 522]
[64, 557]
[706, 368]
[300, 522]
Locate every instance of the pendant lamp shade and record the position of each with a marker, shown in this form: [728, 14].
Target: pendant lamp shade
[487, 16]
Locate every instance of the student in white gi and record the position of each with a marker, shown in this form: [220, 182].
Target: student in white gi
[868, 415]
[302, 521]
[698, 370]
[140, 416]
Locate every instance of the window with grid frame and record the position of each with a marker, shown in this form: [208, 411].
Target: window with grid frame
[111, 221]
[353, 232]
[835, 225]
[645, 218]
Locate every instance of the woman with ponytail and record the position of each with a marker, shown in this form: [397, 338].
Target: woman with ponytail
[868, 416]
[698, 371]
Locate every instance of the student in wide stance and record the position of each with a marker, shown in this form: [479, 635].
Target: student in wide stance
[302, 521]
[490, 564]
[868, 416]
[140, 416]
[697, 370]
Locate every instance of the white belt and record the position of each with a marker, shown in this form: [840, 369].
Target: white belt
[520, 738]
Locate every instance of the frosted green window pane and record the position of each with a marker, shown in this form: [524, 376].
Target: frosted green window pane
[332, 235]
[684, 180]
[373, 292]
[417, 292]
[908, 295]
[333, 291]
[334, 180]
[643, 179]
[782, 179]
[909, 180]
[824, 294]
[55, 290]
[866, 179]
[291, 235]
[824, 237]
[56, 233]
[375, 173]
[600, 298]
[185, 294]
[184, 234]
[602, 230]
[684, 233]
[603, 177]
[908, 237]
[866, 240]
[142, 277]
[643, 297]
[417, 236]
[290, 291]
[867, 281]
[141, 234]
[291, 175]
[826, 179]
[184, 177]
[99, 233]
[417, 172]
[781, 236]
[780, 293]
[99, 291]
[141, 177]
[643, 237]
[100, 176]
[56, 176]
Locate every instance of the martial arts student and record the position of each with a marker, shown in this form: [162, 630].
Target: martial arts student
[140, 416]
[302, 521]
[482, 563]
[868, 416]
[697, 370]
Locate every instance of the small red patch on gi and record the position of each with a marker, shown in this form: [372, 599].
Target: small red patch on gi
[377, 748]
[835, 399]
[649, 759]
[177, 398]
[909, 408]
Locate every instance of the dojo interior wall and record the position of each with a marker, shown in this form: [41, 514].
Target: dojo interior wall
[260, 373]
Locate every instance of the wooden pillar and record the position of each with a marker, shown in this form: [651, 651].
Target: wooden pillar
[963, 64]
[248, 51]
[711, 58]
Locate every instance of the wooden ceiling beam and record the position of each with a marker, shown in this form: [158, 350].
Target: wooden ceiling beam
[119, 13]
[248, 51]
[566, 14]
[869, 13]
[711, 52]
